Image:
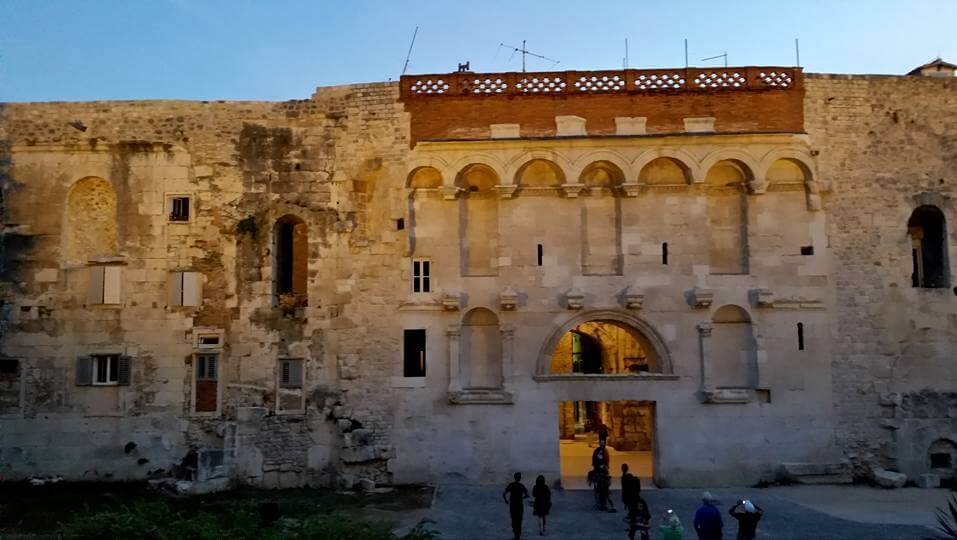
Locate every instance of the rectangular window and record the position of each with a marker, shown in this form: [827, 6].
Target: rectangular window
[807, 250]
[800, 327]
[290, 373]
[207, 382]
[421, 275]
[185, 289]
[664, 253]
[413, 348]
[179, 209]
[9, 366]
[106, 369]
[541, 254]
[105, 284]
[208, 341]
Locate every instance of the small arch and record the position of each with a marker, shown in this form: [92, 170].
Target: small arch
[603, 174]
[477, 178]
[652, 342]
[788, 171]
[942, 457]
[799, 157]
[486, 160]
[586, 161]
[665, 171]
[290, 260]
[480, 350]
[91, 225]
[730, 314]
[728, 173]
[540, 173]
[927, 229]
[744, 161]
[425, 177]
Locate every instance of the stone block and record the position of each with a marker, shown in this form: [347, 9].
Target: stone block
[704, 124]
[631, 125]
[569, 126]
[504, 131]
[889, 479]
[929, 481]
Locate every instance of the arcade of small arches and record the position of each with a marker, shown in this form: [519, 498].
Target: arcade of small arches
[782, 169]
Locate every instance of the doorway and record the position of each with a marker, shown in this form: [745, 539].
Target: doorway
[631, 439]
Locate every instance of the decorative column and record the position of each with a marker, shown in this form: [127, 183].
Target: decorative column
[508, 339]
[455, 377]
[704, 341]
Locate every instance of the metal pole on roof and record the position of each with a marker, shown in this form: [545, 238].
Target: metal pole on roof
[797, 53]
[686, 53]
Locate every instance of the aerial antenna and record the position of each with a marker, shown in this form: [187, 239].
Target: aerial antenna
[724, 55]
[409, 54]
[797, 53]
[524, 52]
[625, 63]
[686, 53]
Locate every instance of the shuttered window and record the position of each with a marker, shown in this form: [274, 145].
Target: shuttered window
[290, 373]
[103, 370]
[185, 289]
[207, 386]
[105, 284]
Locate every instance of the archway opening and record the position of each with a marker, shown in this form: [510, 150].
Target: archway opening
[604, 347]
[628, 428]
[927, 230]
[91, 220]
[664, 171]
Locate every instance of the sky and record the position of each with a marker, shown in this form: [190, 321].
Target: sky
[53, 50]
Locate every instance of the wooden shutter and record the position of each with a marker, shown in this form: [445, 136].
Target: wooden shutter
[84, 371]
[175, 289]
[96, 285]
[192, 289]
[111, 284]
[290, 373]
[124, 370]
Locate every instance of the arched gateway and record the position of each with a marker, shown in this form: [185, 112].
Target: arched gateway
[595, 349]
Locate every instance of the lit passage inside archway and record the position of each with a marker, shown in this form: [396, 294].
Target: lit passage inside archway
[603, 347]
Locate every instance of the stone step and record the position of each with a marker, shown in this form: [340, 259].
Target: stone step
[818, 473]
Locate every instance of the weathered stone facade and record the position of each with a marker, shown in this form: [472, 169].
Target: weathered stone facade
[755, 236]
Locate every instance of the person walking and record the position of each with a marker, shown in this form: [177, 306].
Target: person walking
[748, 515]
[630, 488]
[602, 432]
[639, 519]
[542, 504]
[707, 520]
[515, 495]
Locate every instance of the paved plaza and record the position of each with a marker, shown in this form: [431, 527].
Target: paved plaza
[796, 512]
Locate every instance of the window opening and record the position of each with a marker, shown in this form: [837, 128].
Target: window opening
[290, 373]
[927, 231]
[413, 362]
[940, 460]
[800, 327]
[664, 253]
[9, 366]
[400, 224]
[541, 254]
[209, 341]
[106, 369]
[206, 367]
[807, 250]
[421, 275]
[179, 209]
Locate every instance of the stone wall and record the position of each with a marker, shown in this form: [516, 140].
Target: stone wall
[886, 145]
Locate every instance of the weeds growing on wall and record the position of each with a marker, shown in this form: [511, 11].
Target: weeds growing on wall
[947, 519]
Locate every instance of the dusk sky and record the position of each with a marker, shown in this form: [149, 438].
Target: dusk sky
[239, 49]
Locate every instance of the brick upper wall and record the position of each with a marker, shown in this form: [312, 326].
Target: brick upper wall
[460, 106]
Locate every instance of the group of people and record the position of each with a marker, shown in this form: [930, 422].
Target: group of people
[707, 520]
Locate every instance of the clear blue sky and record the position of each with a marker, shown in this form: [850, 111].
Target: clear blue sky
[274, 50]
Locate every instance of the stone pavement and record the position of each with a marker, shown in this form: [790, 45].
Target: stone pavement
[478, 512]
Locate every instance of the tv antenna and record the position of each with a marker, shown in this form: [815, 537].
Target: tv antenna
[409, 54]
[524, 52]
[625, 66]
[723, 55]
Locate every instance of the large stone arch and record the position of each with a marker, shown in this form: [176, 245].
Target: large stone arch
[91, 224]
[643, 327]
[681, 157]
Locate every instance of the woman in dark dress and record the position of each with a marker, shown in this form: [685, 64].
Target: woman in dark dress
[542, 504]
